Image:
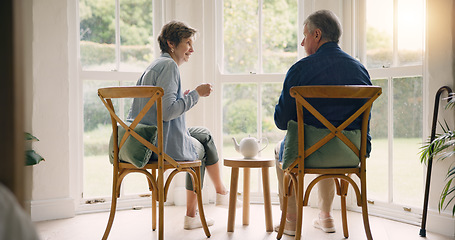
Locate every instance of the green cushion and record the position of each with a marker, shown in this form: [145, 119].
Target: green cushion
[334, 154]
[133, 151]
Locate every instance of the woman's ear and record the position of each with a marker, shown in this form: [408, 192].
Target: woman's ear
[171, 45]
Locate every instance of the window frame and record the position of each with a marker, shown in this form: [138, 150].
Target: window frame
[390, 209]
[126, 200]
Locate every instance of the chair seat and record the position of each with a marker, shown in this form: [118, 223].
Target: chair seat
[355, 170]
[331, 170]
[154, 165]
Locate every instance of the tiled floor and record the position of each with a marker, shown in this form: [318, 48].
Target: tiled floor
[135, 224]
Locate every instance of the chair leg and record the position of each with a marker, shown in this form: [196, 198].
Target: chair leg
[160, 194]
[284, 204]
[154, 195]
[111, 218]
[366, 221]
[343, 193]
[197, 180]
[113, 205]
[298, 227]
[344, 217]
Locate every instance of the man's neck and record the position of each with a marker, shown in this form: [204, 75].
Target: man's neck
[322, 42]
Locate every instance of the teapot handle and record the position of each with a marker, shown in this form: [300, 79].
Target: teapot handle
[265, 144]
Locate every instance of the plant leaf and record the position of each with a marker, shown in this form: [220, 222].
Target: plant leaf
[451, 199]
[32, 158]
[445, 193]
[451, 102]
[29, 136]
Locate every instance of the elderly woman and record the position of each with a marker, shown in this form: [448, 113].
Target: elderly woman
[180, 142]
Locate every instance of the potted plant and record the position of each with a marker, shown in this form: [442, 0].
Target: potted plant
[31, 157]
[443, 146]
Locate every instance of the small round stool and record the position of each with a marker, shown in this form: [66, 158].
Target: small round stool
[246, 164]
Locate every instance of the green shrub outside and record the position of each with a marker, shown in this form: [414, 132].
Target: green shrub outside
[96, 141]
[100, 53]
[241, 117]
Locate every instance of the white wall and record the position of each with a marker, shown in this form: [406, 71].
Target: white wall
[52, 86]
[439, 72]
[49, 88]
[26, 29]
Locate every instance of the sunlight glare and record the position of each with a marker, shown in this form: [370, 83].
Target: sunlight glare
[410, 21]
[410, 24]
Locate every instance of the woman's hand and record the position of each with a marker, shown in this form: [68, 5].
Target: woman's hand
[204, 89]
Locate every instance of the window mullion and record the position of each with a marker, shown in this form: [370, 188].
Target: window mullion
[259, 131]
[395, 33]
[117, 35]
[259, 111]
[361, 23]
[260, 5]
[259, 88]
[390, 141]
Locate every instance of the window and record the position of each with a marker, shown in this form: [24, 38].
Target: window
[394, 36]
[116, 45]
[259, 39]
[259, 36]
[394, 55]
[116, 35]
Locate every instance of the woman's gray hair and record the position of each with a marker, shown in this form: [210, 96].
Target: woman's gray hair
[174, 32]
[327, 22]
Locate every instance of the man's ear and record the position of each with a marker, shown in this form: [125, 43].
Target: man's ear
[317, 35]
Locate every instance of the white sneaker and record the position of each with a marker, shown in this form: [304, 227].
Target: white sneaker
[223, 200]
[195, 222]
[289, 228]
[327, 225]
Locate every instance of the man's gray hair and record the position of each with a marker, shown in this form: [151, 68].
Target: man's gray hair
[327, 22]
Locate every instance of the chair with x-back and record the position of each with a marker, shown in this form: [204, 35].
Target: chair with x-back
[330, 152]
[132, 146]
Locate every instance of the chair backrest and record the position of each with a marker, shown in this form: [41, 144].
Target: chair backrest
[361, 92]
[154, 94]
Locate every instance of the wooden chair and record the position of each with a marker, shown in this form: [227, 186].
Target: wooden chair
[294, 174]
[156, 183]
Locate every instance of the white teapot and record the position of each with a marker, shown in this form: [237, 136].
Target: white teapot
[249, 146]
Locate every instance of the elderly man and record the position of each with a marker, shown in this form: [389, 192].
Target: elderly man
[326, 64]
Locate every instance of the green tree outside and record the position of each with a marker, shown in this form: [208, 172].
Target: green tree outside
[241, 35]
[97, 33]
